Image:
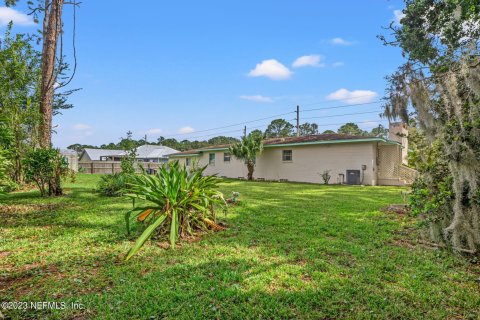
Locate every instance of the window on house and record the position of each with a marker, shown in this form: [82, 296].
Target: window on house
[226, 157]
[211, 159]
[188, 161]
[287, 155]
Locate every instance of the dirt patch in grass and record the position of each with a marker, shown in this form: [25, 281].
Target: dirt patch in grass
[34, 277]
[4, 254]
[21, 280]
[9, 209]
[400, 209]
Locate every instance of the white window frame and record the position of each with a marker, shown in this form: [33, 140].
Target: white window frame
[229, 157]
[285, 155]
[211, 161]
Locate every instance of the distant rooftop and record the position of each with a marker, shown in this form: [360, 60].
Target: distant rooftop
[147, 151]
[97, 154]
[154, 151]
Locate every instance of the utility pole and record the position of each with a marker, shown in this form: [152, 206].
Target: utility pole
[298, 121]
[245, 131]
[146, 139]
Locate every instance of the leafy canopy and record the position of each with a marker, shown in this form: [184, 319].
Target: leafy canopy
[248, 148]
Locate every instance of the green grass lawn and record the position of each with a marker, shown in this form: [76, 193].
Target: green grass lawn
[292, 251]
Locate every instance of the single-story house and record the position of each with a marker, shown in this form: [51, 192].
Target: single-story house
[88, 155]
[349, 159]
[145, 153]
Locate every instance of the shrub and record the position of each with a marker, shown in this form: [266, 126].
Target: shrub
[178, 203]
[46, 168]
[112, 185]
[234, 198]
[5, 181]
[326, 176]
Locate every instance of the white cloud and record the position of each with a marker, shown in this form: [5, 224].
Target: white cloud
[308, 61]
[186, 129]
[341, 42]
[338, 64]
[18, 18]
[397, 16]
[81, 127]
[257, 98]
[355, 96]
[271, 69]
[154, 131]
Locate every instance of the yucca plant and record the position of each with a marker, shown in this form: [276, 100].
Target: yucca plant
[179, 203]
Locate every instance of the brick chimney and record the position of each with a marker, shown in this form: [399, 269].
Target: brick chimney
[398, 131]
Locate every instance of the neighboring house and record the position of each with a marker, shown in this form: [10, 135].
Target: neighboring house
[72, 159]
[350, 159]
[145, 153]
[154, 153]
[88, 155]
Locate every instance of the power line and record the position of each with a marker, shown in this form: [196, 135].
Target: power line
[231, 125]
[231, 131]
[343, 106]
[342, 123]
[340, 115]
[261, 126]
[241, 130]
[274, 116]
[257, 127]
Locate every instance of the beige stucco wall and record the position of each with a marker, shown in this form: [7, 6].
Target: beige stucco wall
[308, 163]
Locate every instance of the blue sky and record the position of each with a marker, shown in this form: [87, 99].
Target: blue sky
[169, 68]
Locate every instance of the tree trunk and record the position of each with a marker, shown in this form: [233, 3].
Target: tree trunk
[52, 28]
[250, 167]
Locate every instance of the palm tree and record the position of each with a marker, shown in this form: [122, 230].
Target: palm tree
[247, 150]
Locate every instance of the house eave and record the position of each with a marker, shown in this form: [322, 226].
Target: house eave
[331, 142]
[184, 155]
[296, 144]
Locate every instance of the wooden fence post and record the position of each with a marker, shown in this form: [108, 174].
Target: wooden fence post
[113, 167]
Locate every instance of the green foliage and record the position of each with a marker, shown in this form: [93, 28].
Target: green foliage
[351, 128]
[5, 182]
[112, 185]
[440, 81]
[279, 128]
[19, 76]
[308, 128]
[178, 203]
[258, 134]
[128, 161]
[247, 150]
[380, 131]
[46, 167]
[171, 142]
